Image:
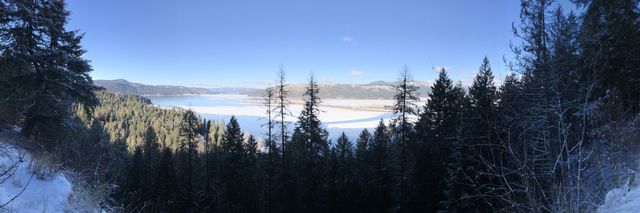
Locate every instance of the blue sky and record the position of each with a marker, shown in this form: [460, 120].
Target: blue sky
[242, 43]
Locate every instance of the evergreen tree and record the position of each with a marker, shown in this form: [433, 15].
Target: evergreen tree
[151, 155]
[269, 102]
[380, 199]
[251, 147]
[233, 138]
[534, 65]
[610, 40]
[271, 163]
[482, 100]
[309, 153]
[251, 174]
[436, 131]
[342, 184]
[363, 170]
[187, 154]
[551, 139]
[476, 149]
[234, 177]
[308, 128]
[405, 98]
[44, 73]
[133, 192]
[404, 107]
[282, 108]
[166, 184]
[509, 105]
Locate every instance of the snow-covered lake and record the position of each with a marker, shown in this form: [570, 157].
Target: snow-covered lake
[350, 116]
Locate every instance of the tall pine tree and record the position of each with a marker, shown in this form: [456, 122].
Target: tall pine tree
[44, 73]
[309, 153]
[403, 109]
[436, 131]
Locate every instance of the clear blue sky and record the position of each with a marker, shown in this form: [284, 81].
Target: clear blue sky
[242, 43]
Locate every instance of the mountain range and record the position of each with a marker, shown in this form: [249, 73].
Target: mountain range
[373, 90]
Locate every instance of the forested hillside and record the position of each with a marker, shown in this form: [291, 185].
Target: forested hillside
[373, 90]
[122, 86]
[555, 136]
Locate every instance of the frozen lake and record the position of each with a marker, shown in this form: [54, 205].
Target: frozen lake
[350, 116]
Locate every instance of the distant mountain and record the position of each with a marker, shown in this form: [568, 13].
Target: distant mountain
[380, 83]
[235, 90]
[373, 90]
[122, 86]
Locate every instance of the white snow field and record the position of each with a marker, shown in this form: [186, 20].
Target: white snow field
[625, 199]
[31, 191]
[337, 115]
[334, 117]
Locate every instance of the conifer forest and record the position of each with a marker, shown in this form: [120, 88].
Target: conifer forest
[556, 134]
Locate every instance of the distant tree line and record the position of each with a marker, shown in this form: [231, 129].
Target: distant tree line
[554, 137]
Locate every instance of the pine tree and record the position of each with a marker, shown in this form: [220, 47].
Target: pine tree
[436, 131]
[269, 102]
[308, 128]
[342, 185]
[380, 199]
[233, 172]
[217, 133]
[187, 154]
[272, 161]
[251, 175]
[133, 193]
[251, 147]
[309, 151]
[476, 149]
[282, 109]
[166, 184]
[43, 69]
[233, 137]
[482, 98]
[534, 65]
[151, 152]
[363, 169]
[610, 41]
[404, 107]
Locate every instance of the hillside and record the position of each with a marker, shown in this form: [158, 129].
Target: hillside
[122, 86]
[373, 90]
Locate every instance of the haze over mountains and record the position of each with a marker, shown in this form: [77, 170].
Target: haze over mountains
[373, 90]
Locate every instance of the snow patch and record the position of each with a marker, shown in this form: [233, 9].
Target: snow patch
[35, 191]
[348, 118]
[623, 199]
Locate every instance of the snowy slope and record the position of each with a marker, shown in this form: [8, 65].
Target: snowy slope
[39, 189]
[624, 199]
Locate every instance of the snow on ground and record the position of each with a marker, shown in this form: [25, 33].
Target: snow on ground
[337, 115]
[334, 117]
[227, 110]
[366, 103]
[359, 103]
[37, 192]
[622, 200]
[370, 124]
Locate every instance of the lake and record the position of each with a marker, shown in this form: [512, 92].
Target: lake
[348, 116]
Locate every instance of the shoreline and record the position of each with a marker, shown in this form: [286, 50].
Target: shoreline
[374, 108]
